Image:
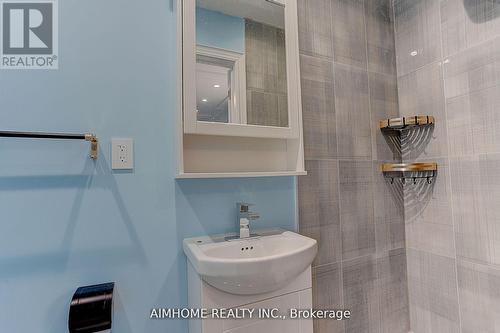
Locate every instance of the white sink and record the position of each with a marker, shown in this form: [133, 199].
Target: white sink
[251, 266]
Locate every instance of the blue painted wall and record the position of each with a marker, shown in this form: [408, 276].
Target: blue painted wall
[219, 30]
[67, 221]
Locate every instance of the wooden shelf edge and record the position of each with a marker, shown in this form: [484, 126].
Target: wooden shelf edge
[406, 122]
[409, 167]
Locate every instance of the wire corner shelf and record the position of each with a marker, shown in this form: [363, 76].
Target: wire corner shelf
[411, 171]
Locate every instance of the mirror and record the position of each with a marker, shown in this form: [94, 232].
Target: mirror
[244, 35]
[240, 64]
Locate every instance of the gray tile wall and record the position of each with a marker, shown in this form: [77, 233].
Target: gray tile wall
[448, 65]
[348, 73]
[388, 252]
[267, 103]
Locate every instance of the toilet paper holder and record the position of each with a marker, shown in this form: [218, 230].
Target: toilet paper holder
[91, 309]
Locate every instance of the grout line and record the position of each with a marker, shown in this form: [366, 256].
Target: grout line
[297, 212]
[373, 144]
[393, 18]
[478, 262]
[443, 57]
[337, 162]
[393, 8]
[341, 237]
[327, 264]
[471, 92]
[448, 178]
[387, 75]
[341, 265]
[372, 133]
[429, 253]
[315, 55]
[413, 71]
[472, 46]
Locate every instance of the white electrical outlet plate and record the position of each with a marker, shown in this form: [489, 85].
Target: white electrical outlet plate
[122, 154]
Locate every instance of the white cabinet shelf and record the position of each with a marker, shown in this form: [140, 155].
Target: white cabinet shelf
[240, 174]
[206, 156]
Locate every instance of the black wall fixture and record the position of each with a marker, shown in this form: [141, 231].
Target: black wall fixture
[91, 309]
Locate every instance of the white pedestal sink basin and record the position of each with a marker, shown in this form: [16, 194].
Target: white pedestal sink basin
[251, 266]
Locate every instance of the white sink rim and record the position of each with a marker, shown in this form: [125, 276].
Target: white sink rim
[256, 275]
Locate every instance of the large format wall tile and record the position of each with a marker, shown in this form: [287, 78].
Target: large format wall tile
[388, 212]
[265, 58]
[266, 75]
[421, 93]
[474, 118]
[430, 203]
[458, 116]
[345, 92]
[383, 105]
[472, 70]
[393, 292]
[482, 20]
[468, 23]
[434, 238]
[433, 294]
[349, 38]
[319, 209]
[352, 107]
[361, 294]
[453, 26]
[469, 129]
[479, 290]
[356, 209]
[375, 290]
[485, 120]
[417, 34]
[471, 229]
[327, 294]
[490, 184]
[428, 214]
[318, 108]
[472, 81]
[315, 27]
[380, 36]
[329, 242]
[265, 109]
[476, 193]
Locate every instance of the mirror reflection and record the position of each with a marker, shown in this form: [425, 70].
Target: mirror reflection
[241, 67]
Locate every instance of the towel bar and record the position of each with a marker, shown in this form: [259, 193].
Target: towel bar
[94, 141]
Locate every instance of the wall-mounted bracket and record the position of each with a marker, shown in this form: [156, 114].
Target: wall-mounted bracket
[94, 145]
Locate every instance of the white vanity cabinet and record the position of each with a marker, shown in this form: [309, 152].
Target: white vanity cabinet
[270, 271]
[296, 295]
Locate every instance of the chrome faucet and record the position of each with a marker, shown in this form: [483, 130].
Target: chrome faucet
[244, 218]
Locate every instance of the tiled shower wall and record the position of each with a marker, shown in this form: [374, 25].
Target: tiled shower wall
[348, 83]
[448, 65]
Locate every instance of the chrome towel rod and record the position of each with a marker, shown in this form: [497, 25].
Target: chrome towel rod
[92, 138]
